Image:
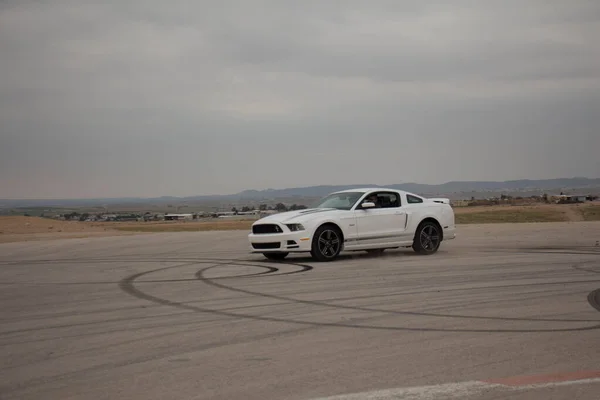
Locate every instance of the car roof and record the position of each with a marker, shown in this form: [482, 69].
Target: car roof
[369, 189]
[378, 189]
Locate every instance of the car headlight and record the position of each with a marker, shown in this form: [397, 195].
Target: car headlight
[295, 227]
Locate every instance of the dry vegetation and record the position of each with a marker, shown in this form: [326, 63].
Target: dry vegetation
[18, 228]
[25, 225]
[187, 226]
[591, 213]
[510, 216]
[516, 214]
[533, 213]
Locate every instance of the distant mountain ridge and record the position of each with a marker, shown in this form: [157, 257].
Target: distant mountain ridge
[447, 189]
[425, 189]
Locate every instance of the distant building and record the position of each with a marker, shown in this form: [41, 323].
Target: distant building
[251, 212]
[178, 217]
[268, 212]
[460, 203]
[571, 198]
[224, 213]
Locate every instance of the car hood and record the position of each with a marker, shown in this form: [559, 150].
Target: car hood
[298, 216]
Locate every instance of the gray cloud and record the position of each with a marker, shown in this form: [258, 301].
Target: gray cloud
[175, 98]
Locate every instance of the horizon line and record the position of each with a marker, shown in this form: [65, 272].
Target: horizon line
[279, 189]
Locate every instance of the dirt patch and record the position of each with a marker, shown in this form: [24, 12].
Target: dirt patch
[30, 237]
[590, 213]
[528, 213]
[541, 207]
[19, 228]
[574, 214]
[23, 225]
[511, 216]
[184, 226]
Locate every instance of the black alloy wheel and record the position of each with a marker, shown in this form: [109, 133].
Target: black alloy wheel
[327, 243]
[427, 238]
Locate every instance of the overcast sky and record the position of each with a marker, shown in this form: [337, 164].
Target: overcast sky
[151, 98]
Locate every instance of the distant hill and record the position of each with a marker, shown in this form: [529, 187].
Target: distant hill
[444, 188]
[451, 189]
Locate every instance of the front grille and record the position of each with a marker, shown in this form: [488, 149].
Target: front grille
[265, 246]
[262, 229]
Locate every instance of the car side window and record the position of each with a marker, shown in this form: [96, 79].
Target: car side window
[388, 200]
[413, 199]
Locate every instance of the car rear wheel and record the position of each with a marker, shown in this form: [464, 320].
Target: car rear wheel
[275, 256]
[326, 243]
[427, 239]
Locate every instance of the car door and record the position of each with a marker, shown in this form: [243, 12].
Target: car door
[385, 223]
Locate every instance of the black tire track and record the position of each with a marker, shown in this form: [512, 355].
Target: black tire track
[150, 357]
[590, 270]
[128, 285]
[156, 355]
[191, 261]
[594, 299]
[209, 281]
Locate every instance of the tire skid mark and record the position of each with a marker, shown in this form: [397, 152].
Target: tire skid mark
[78, 314]
[74, 325]
[151, 357]
[200, 275]
[199, 321]
[178, 331]
[125, 286]
[128, 286]
[146, 258]
[466, 302]
[594, 299]
[585, 269]
[269, 270]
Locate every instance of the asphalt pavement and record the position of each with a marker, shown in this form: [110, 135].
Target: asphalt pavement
[502, 312]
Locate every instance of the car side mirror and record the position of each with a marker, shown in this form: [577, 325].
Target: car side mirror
[368, 204]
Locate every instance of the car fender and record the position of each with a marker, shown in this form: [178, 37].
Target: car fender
[444, 216]
[317, 222]
[418, 214]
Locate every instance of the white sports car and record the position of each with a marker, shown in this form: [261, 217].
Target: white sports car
[371, 219]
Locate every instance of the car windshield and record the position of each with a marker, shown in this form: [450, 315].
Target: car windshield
[341, 201]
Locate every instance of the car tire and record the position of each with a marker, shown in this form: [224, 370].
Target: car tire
[327, 243]
[427, 238]
[275, 256]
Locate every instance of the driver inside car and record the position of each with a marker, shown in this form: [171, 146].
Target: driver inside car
[373, 199]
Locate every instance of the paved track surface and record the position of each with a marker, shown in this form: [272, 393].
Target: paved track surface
[194, 316]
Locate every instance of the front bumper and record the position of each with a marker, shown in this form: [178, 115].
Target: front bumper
[299, 241]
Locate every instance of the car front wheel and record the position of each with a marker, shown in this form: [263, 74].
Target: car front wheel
[326, 243]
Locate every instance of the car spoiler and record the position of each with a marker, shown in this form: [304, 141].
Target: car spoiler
[441, 200]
